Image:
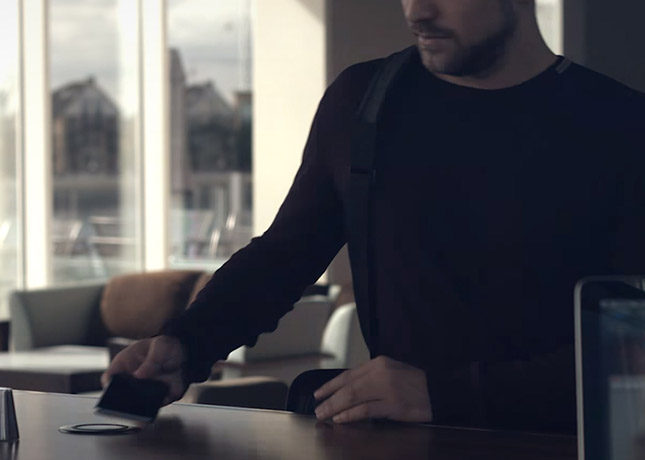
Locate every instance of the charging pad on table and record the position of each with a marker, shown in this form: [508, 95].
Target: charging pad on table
[99, 428]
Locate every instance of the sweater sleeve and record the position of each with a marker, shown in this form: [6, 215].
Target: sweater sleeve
[260, 283]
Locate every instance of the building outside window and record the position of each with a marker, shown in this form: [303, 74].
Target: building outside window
[211, 109]
[94, 82]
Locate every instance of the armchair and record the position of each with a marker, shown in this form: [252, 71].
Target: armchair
[131, 306]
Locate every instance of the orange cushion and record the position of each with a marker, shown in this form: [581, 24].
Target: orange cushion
[137, 305]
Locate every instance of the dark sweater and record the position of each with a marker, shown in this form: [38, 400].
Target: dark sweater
[488, 207]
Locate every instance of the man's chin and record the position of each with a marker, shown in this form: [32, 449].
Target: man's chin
[444, 62]
[435, 62]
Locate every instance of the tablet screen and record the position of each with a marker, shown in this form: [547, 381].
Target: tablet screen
[623, 363]
[612, 332]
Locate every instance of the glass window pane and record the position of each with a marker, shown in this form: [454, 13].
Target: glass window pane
[94, 61]
[211, 108]
[9, 119]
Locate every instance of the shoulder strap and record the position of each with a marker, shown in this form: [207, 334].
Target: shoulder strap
[362, 176]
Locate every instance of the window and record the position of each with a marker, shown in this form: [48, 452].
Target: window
[94, 84]
[211, 108]
[9, 159]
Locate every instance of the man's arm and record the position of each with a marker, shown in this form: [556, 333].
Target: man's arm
[255, 287]
[260, 283]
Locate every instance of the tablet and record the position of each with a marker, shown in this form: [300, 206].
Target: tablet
[610, 367]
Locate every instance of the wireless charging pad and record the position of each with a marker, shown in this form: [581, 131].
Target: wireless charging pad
[99, 428]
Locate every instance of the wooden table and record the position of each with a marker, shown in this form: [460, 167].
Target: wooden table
[187, 432]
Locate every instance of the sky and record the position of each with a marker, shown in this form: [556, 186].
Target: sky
[98, 38]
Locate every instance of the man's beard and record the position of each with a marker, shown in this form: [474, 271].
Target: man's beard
[475, 59]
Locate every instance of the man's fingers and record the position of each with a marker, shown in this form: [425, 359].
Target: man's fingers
[352, 393]
[164, 356]
[384, 389]
[336, 383]
[148, 369]
[152, 364]
[126, 361]
[368, 410]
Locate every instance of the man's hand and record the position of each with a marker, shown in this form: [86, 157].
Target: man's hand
[381, 388]
[159, 358]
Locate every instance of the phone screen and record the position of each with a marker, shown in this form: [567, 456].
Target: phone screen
[129, 397]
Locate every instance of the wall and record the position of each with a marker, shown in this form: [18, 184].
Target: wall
[360, 30]
[608, 37]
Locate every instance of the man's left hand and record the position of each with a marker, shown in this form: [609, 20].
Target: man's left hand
[380, 388]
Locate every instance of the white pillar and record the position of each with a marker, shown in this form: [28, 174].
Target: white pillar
[288, 81]
[549, 15]
[37, 181]
[156, 135]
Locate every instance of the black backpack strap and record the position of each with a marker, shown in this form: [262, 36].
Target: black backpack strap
[362, 176]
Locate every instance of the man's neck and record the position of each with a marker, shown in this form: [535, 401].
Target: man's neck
[526, 57]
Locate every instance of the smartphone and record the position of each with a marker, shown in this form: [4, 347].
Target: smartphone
[132, 398]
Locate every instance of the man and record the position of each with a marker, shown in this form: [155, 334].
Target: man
[504, 174]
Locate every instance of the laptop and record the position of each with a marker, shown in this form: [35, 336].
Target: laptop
[610, 367]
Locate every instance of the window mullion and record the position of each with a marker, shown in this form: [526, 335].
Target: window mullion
[36, 171]
[156, 135]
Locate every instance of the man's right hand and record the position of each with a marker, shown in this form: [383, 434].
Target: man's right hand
[158, 358]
